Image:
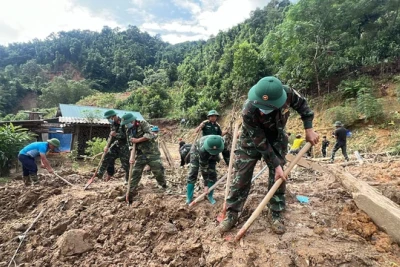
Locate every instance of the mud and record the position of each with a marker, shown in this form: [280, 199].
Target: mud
[91, 228]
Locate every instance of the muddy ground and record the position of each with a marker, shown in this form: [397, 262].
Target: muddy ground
[90, 228]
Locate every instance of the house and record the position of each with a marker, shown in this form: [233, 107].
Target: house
[79, 124]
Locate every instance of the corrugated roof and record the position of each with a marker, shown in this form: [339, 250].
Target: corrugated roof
[81, 114]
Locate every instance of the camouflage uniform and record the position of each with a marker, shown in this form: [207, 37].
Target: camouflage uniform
[118, 149]
[201, 159]
[264, 137]
[147, 153]
[210, 128]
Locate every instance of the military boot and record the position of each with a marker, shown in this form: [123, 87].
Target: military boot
[277, 225]
[34, 179]
[229, 222]
[27, 180]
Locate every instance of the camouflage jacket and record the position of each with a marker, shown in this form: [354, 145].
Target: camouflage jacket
[142, 129]
[204, 156]
[210, 128]
[261, 131]
[120, 138]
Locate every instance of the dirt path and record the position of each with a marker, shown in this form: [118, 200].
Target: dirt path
[90, 228]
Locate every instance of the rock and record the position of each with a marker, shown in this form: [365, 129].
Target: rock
[169, 228]
[74, 242]
[60, 227]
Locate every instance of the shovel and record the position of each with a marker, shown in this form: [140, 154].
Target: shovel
[131, 159]
[271, 192]
[58, 176]
[98, 166]
[222, 215]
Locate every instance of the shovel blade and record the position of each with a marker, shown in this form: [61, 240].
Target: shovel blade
[222, 215]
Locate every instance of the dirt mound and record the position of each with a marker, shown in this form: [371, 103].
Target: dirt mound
[82, 228]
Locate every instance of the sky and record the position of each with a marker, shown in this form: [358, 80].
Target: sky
[175, 20]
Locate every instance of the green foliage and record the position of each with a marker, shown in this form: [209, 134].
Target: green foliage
[350, 88]
[347, 114]
[99, 100]
[398, 92]
[95, 146]
[368, 105]
[197, 113]
[12, 140]
[64, 92]
[92, 115]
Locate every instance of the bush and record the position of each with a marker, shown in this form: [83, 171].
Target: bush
[346, 114]
[368, 105]
[350, 88]
[12, 140]
[95, 146]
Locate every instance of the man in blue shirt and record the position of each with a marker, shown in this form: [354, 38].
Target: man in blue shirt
[27, 157]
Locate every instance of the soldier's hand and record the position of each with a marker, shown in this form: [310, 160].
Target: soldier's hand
[113, 133]
[135, 140]
[50, 170]
[42, 166]
[105, 149]
[312, 136]
[131, 161]
[279, 173]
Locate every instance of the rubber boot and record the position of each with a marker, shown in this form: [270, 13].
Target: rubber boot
[211, 193]
[229, 222]
[277, 224]
[34, 179]
[189, 193]
[27, 180]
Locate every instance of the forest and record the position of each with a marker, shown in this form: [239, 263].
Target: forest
[314, 46]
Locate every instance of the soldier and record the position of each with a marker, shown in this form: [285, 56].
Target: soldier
[27, 157]
[147, 153]
[118, 149]
[211, 126]
[325, 144]
[204, 156]
[265, 114]
[183, 151]
[341, 141]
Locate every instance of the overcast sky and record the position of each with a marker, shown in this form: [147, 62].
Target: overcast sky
[175, 20]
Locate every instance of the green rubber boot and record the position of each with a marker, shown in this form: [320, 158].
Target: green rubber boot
[27, 180]
[189, 193]
[211, 193]
[34, 179]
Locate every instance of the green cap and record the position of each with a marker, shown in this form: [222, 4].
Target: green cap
[109, 113]
[127, 118]
[54, 141]
[214, 144]
[268, 94]
[212, 112]
[338, 124]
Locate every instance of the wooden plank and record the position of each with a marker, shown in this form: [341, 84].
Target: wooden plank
[306, 163]
[384, 212]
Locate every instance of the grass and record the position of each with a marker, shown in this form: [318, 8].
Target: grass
[4, 180]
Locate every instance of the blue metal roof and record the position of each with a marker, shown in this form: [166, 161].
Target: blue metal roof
[74, 111]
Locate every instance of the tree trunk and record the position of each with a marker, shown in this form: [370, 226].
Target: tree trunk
[384, 212]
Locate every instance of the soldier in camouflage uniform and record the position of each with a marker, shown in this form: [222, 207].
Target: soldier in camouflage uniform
[204, 156]
[147, 153]
[211, 127]
[118, 149]
[263, 136]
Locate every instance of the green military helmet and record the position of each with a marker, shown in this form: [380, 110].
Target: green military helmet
[127, 118]
[268, 94]
[54, 141]
[109, 113]
[212, 112]
[214, 144]
[338, 124]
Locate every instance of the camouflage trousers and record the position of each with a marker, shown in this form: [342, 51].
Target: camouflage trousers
[208, 172]
[154, 161]
[246, 159]
[121, 152]
[337, 147]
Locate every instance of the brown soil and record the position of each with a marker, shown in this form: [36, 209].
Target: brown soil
[90, 228]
